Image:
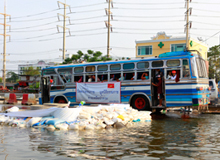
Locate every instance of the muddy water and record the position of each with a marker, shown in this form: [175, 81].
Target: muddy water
[171, 138]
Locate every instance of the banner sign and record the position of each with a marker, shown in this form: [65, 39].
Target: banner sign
[105, 92]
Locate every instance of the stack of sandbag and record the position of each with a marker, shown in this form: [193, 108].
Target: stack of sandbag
[84, 118]
[108, 116]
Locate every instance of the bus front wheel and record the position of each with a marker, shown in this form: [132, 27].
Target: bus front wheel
[140, 102]
[60, 100]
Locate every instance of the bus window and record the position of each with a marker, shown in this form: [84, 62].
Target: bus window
[142, 65]
[201, 68]
[48, 72]
[185, 68]
[173, 63]
[78, 70]
[128, 66]
[103, 68]
[143, 74]
[115, 67]
[115, 76]
[172, 72]
[193, 67]
[90, 69]
[157, 64]
[129, 75]
[78, 78]
[102, 77]
[65, 74]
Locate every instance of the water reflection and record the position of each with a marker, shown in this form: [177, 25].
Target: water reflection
[171, 138]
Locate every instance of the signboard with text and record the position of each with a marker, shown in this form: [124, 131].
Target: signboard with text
[105, 92]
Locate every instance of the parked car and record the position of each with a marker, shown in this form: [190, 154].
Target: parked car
[214, 92]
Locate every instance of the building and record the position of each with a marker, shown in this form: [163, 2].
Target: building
[162, 43]
[40, 65]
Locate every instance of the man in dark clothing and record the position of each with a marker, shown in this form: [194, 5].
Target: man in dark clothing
[159, 89]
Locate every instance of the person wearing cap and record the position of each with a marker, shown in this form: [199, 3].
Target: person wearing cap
[174, 75]
[159, 89]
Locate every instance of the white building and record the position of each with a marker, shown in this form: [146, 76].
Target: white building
[40, 65]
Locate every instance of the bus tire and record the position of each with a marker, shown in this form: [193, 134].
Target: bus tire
[140, 102]
[60, 100]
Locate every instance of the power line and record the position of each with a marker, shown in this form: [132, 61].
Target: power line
[207, 23]
[167, 3]
[36, 14]
[150, 8]
[29, 20]
[89, 5]
[36, 25]
[206, 10]
[146, 28]
[161, 16]
[86, 11]
[143, 33]
[150, 21]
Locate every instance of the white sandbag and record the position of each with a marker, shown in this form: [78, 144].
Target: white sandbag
[90, 127]
[67, 114]
[82, 126]
[33, 121]
[12, 109]
[109, 123]
[50, 128]
[62, 126]
[74, 127]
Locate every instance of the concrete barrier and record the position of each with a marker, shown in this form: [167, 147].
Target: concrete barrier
[29, 99]
[10, 98]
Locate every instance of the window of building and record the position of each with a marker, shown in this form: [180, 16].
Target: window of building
[178, 47]
[144, 50]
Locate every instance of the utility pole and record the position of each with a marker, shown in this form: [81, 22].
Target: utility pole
[64, 26]
[188, 11]
[108, 24]
[4, 47]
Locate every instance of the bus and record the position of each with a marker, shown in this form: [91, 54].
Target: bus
[190, 88]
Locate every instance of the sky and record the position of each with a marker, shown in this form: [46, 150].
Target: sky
[34, 35]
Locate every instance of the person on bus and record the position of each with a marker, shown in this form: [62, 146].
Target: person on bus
[81, 79]
[159, 89]
[173, 75]
[169, 75]
[112, 77]
[144, 76]
[185, 72]
[133, 76]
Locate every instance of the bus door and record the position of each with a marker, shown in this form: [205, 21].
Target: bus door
[154, 94]
[45, 89]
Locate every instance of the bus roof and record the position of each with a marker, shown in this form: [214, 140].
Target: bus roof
[163, 56]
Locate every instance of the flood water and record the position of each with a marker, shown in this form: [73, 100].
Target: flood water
[171, 138]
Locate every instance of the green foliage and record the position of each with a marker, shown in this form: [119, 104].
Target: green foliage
[214, 62]
[90, 56]
[31, 71]
[35, 86]
[13, 77]
[0, 79]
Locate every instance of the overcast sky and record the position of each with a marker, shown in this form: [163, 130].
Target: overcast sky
[34, 34]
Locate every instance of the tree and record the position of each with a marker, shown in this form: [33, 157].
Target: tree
[214, 62]
[13, 77]
[90, 56]
[31, 71]
[0, 79]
